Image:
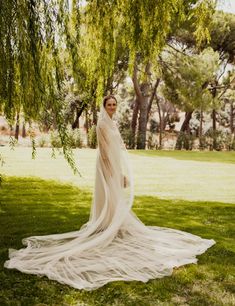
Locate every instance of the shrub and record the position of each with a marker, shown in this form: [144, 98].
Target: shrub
[229, 142]
[75, 140]
[152, 144]
[154, 126]
[128, 138]
[215, 139]
[55, 140]
[203, 144]
[185, 141]
[42, 142]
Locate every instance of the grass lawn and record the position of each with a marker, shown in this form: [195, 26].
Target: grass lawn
[193, 176]
[207, 156]
[30, 206]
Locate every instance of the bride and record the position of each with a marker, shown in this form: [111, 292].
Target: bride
[114, 244]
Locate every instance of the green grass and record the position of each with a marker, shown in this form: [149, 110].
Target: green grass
[154, 174]
[30, 206]
[207, 156]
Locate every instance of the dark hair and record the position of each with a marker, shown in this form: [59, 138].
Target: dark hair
[106, 98]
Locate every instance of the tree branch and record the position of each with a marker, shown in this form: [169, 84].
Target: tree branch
[226, 87]
[135, 81]
[153, 94]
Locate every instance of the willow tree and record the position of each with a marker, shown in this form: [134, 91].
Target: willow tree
[103, 61]
[31, 72]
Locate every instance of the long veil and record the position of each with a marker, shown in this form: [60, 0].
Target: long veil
[114, 244]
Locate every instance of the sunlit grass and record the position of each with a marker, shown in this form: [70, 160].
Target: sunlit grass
[30, 206]
[165, 174]
[207, 156]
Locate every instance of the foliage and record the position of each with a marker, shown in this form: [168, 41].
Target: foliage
[185, 141]
[223, 140]
[1, 164]
[96, 42]
[55, 140]
[152, 142]
[48, 207]
[30, 65]
[140, 27]
[154, 126]
[42, 142]
[222, 32]
[74, 139]
[187, 78]
[124, 119]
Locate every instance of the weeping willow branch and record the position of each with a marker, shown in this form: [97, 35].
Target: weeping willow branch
[34, 34]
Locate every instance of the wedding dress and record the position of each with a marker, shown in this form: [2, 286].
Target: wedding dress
[114, 244]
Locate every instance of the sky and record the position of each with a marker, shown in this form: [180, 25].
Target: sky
[227, 6]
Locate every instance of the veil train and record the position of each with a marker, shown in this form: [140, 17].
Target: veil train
[114, 244]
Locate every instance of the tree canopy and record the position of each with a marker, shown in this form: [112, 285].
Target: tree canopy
[42, 44]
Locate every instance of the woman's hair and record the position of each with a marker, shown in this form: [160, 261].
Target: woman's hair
[106, 98]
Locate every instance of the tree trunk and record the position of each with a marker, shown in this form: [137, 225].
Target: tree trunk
[184, 128]
[17, 128]
[214, 129]
[87, 121]
[153, 95]
[94, 112]
[231, 117]
[142, 126]
[75, 124]
[200, 129]
[134, 123]
[160, 123]
[165, 120]
[185, 125]
[142, 95]
[79, 109]
[23, 131]
[214, 93]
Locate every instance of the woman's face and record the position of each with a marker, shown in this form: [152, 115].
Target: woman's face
[111, 106]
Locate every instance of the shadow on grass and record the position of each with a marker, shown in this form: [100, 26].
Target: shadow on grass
[37, 207]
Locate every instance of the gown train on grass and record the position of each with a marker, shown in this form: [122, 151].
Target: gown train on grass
[114, 244]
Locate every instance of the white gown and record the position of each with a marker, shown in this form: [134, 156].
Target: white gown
[114, 244]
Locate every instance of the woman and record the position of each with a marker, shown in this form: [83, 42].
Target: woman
[114, 244]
